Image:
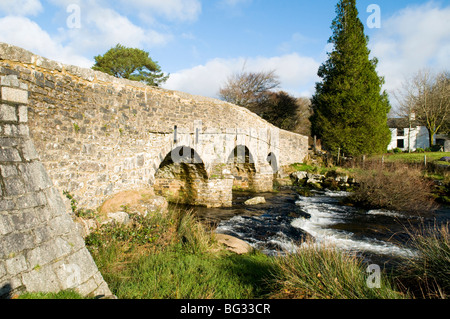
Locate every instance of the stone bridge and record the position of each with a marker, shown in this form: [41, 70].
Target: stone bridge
[63, 128]
[98, 135]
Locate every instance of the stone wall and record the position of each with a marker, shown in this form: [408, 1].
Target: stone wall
[41, 250]
[98, 135]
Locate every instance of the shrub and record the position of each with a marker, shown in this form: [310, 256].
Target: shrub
[398, 187]
[433, 149]
[397, 150]
[420, 150]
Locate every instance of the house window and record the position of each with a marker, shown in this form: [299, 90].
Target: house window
[401, 132]
[401, 143]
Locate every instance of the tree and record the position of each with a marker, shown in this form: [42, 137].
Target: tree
[350, 109]
[249, 89]
[304, 112]
[254, 91]
[131, 64]
[425, 97]
[287, 112]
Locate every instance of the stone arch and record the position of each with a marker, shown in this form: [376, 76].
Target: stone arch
[242, 166]
[181, 176]
[273, 162]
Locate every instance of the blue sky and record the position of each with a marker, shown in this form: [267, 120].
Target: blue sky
[201, 42]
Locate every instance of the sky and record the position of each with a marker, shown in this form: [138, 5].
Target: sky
[202, 42]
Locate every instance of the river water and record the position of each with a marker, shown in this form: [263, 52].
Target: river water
[284, 222]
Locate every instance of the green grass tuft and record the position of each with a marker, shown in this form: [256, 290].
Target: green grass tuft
[327, 273]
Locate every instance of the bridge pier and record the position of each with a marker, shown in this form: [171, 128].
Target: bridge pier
[188, 183]
[184, 184]
[263, 179]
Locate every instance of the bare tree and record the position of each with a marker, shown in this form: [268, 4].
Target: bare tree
[425, 97]
[248, 89]
[304, 112]
[255, 91]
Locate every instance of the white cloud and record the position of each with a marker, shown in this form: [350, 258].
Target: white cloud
[105, 26]
[297, 74]
[21, 7]
[416, 37]
[173, 10]
[102, 27]
[23, 32]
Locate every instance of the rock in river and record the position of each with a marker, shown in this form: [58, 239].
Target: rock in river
[255, 201]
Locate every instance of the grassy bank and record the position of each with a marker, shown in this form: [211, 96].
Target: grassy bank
[398, 181]
[173, 256]
[191, 265]
[182, 260]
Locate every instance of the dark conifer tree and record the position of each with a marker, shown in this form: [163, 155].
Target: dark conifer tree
[350, 109]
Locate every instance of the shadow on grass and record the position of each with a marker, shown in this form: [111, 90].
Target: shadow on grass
[253, 271]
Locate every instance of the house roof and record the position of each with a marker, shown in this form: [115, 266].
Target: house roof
[442, 137]
[402, 122]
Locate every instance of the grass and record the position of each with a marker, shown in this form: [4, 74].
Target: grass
[305, 167]
[176, 271]
[177, 274]
[327, 273]
[428, 274]
[65, 294]
[182, 261]
[173, 256]
[192, 266]
[417, 158]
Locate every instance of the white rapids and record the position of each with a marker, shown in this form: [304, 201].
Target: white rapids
[325, 213]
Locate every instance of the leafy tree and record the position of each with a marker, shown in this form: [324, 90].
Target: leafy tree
[132, 64]
[350, 111]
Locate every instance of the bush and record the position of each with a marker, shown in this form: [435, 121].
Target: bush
[397, 150]
[420, 150]
[398, 187]
[434, 148]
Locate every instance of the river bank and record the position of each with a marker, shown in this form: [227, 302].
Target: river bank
[175, 253]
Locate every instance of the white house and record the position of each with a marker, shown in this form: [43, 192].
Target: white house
[406, 135]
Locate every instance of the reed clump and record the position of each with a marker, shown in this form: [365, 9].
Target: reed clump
[427, 274]
[324, 272]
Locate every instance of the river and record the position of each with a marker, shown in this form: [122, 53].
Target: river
[282, 224]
